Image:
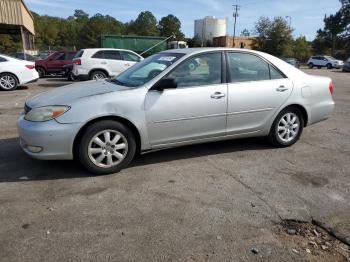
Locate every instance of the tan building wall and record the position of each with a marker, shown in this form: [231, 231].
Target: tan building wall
[16, 13]
[240, 41]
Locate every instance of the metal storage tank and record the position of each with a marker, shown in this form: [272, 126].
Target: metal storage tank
[210, 27]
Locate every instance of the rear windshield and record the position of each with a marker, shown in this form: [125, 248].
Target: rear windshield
[79, 54]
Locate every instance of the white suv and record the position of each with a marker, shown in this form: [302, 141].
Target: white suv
[99, 63]
[324, 61]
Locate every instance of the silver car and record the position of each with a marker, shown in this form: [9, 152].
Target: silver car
[174, 98]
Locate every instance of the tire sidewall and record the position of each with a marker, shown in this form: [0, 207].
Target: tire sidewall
[41, 72]
[311, 65]
[274, 138]
[97, 72]
[16, 82]
[90, 132]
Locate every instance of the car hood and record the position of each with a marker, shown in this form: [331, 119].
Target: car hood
[68, 94]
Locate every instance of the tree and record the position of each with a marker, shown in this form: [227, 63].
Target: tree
[145, 24]
[274, 37]
[301, 48]
[245, 32]
[99, 25]
[170, 25]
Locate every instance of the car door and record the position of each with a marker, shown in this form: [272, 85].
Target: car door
[256, 91]
[55, 63]
[196, 109]
[114, 61]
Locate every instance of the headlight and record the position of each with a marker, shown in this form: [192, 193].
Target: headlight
[45, 113]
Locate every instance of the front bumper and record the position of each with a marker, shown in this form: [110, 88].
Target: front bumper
[55, 139]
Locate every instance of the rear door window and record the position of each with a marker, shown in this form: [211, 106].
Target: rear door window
[61, 56]
[99, 55]
[112, 55]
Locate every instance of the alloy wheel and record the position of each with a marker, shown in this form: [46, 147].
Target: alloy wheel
[98, 76]
[288, 127]
[108, 148]
[7, 82]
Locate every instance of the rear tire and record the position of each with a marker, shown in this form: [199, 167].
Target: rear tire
[71, 77]
[8, 82]
[41, 71]
[97, 75]
[106, 147]
[287, 127]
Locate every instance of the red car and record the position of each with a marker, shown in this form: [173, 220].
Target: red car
[53, 64]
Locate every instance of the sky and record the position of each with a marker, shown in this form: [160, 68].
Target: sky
[306, 15]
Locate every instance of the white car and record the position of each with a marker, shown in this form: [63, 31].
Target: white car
[100, 63]
[15, 72]
[324, 61]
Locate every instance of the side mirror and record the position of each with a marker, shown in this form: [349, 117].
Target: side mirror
[169, 83]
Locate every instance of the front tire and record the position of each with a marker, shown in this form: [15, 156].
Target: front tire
[8, 82]
[311, 65]
[329, 66]
[106, 147]
[287, 127]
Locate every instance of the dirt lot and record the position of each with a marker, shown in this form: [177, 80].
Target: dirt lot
[230, 201]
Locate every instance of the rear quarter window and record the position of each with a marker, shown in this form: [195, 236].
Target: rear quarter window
[2, 59]
[79, 54]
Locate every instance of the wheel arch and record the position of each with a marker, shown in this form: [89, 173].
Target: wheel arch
[11, 73]
[302, 110]
[119, 119]
[99, 69]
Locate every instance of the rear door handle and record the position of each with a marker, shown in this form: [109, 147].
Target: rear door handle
[281, 88]
[127, 64]
[217, 95]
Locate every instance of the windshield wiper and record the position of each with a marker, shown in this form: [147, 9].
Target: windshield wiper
[114, 80]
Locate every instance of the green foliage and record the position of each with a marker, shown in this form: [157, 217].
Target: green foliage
[170, 25]
[274, 36]
[194, 42]
[301, 49]
[82, 31]
[145, 24]
[245, 32]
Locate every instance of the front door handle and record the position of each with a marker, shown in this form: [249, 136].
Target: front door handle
[281, 88]
[217, 95]
[104, 63]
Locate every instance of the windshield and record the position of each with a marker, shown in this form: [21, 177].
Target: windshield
[330, 58]
[146, 70]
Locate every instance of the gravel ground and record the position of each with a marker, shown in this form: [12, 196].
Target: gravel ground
[239, 200]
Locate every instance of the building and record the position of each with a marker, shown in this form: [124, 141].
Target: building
[15, 18]
[239, 41]
[209, 27]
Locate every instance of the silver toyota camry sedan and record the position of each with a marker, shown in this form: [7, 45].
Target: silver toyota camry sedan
[174, 98]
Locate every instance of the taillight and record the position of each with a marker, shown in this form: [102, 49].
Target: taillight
[331, 87]
[30, 66]
[77, 61]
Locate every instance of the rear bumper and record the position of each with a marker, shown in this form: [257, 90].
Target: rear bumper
[54, 139]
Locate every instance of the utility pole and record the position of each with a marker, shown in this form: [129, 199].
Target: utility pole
[290, 20]
[235, 15]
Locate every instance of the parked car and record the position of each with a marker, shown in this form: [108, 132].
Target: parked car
[293, 61]
[23, 56]
[324, 61]
[346, 66]
[54, 63]
[100, 63]
[15, 72]
[229, 93]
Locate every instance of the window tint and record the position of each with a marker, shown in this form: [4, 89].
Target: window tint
[276, 74]
[98, 54]
[61, 56]
[128, 56]
[79, 54]
[2, 59]
[199, 70]
[247, 67]
[112, 55]
[70, 55]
